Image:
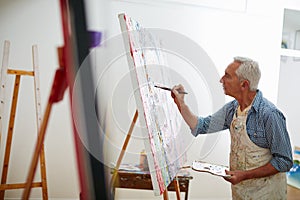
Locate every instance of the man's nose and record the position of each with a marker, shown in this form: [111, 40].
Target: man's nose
[221, 80]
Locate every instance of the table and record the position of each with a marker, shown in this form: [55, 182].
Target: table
[142, 180]
[293, 193]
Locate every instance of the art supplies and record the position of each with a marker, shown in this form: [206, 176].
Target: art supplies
[218, 170]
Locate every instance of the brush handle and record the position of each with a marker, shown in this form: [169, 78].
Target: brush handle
[169, 89]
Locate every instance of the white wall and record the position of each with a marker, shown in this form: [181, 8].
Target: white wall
[254, 31]
[288, 98]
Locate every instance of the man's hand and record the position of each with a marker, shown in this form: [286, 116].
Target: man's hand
[178, 97]
[238, 175]
[187, 115]
[235, 176]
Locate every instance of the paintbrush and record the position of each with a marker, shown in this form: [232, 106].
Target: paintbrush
[169, 89]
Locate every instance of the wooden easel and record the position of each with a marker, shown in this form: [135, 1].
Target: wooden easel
[115, 172]
[18, 74]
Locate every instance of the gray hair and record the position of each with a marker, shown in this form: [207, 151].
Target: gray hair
[248, 70]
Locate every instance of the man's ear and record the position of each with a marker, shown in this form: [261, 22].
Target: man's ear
[245, 84]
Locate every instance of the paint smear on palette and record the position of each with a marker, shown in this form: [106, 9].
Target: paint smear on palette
[161, 115]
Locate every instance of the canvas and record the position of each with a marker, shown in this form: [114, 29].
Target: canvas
[148, 64]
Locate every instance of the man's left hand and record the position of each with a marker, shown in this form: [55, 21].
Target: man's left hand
[235, 176]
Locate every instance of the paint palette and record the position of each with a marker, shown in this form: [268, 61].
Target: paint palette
[218, 170]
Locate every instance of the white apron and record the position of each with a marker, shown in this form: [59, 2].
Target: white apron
[246, 155]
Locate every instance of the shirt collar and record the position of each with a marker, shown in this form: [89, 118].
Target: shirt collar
[257, 99]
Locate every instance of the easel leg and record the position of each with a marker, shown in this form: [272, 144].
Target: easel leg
[10, 133]
[127, 139]
[38, 148]
[165, 194]
[3, 81]
[177, 188]
[43, 173]
[113, 179]
[39, 118]
[187, 191]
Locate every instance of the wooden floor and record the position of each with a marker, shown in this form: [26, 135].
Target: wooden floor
[293, 193]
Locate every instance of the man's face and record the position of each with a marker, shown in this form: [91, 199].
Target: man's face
[230, 81]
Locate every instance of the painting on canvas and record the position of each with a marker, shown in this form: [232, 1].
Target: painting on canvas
[148, 63]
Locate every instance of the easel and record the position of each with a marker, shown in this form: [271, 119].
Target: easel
[115, 172]
[18, 73]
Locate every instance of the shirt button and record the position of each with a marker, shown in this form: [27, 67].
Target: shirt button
[255, 135]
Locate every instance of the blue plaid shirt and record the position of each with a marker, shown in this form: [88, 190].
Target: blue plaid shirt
[266, 127]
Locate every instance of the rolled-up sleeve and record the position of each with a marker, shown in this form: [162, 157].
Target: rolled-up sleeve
[279, 141]
[202, 126]
[219, 121]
